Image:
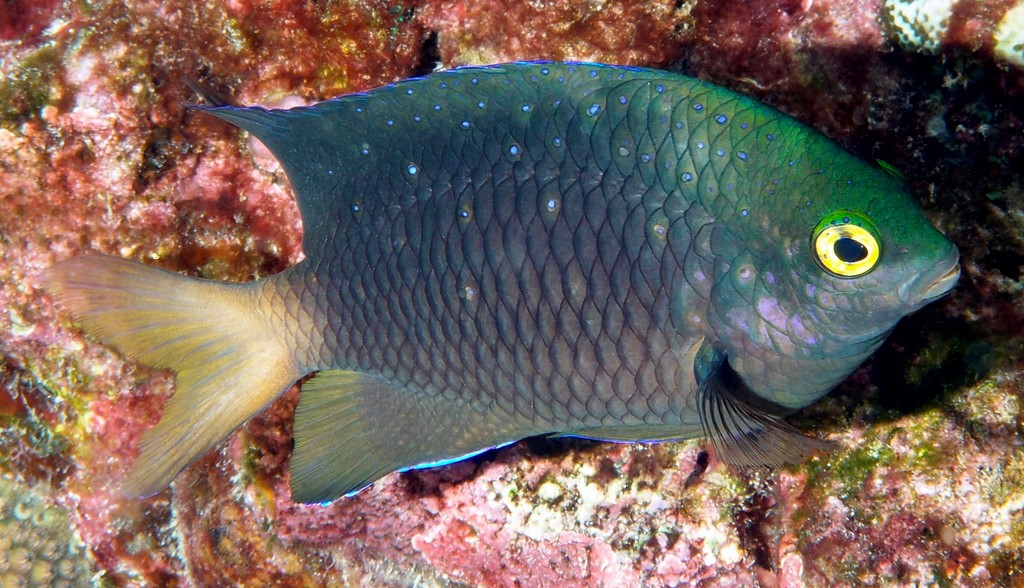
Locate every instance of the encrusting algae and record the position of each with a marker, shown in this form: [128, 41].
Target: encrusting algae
[112, 160]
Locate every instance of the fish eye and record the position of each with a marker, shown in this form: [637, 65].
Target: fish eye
[846, 244]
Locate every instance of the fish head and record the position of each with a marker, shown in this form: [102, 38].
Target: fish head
[830, 270]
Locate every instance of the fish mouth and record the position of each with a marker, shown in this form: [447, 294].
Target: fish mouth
[931, 285]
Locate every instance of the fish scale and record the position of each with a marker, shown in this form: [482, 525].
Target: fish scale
[530, 249]
[520, 223]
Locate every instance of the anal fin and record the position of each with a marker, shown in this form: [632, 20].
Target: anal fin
[352, 428]
[636, 433]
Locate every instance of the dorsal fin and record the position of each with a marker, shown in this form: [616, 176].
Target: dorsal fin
[742, 434]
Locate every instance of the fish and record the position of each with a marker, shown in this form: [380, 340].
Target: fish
[559, 249]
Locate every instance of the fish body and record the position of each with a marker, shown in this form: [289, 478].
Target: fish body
[530, 249]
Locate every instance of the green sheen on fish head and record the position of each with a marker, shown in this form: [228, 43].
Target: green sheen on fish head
[818, 259]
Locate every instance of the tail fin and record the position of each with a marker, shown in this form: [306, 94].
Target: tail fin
[228, 358]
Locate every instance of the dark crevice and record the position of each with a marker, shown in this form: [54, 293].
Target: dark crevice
[750, 527]
[429, 57]
[699, 467]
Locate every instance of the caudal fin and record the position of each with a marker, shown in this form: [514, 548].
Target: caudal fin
[229, 359]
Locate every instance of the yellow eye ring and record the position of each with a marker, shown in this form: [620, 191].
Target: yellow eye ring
[846, 244]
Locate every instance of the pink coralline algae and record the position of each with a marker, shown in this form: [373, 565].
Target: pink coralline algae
[99, 153]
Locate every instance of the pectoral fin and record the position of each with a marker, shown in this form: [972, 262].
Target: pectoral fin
[742, 434]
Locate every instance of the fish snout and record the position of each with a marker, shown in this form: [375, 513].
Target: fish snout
[934, 283]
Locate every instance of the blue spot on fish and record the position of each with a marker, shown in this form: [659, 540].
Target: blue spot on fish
[742, 155]
[721, 119]
[594, 109]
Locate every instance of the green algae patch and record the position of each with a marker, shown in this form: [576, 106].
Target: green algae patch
[27, 89]
[36, 429]
[925, 441]
[846, 472]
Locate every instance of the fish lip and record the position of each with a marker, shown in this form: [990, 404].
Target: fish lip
[930, 286]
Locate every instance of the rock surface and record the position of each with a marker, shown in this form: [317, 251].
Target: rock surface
[98, 152]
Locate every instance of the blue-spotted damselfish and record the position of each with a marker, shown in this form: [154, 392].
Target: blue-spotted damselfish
[529, 249]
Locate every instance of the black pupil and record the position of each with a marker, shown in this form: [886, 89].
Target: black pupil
[850, 250]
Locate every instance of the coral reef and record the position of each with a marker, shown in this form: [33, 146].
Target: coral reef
[38, 546]
[99, 152]
[926, 26]
[1009, 36]
[919, 25]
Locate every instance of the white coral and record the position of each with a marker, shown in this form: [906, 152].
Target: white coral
[1009, 36]
[919, 25]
